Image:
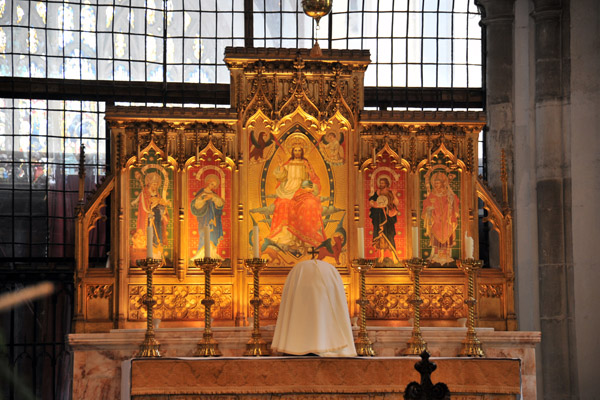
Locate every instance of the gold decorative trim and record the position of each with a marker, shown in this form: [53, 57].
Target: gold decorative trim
[181, 302]
[491, 290]
[270, 296]
[392, 302]
[99, 291]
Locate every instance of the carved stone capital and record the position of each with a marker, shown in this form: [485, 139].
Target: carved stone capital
[496, 11]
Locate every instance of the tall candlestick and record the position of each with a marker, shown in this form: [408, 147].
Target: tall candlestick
[149, 239]
[360, 232]
[256, 247]
[150, 346]
[364, 346]
[469, 246]
[206, 241]
[415, 242]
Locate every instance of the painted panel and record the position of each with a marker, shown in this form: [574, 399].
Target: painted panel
[440, 222]
[209, 203]
[296, 202]
[151, 205]
[385, 223]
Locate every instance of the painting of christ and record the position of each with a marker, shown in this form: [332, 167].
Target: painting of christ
[298, 204]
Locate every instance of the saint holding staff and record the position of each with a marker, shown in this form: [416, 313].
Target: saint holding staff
[383, 214]
[152, 209]
[440, 216]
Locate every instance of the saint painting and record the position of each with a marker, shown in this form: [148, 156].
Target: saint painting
[383, 213]
[150, 208]
[207, 206]
[441, 215]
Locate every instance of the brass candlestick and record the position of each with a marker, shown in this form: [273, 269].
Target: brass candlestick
[416, 343]
[208, 346]
[364, 346]
[150, 346]
[471, 345]
[256, 346]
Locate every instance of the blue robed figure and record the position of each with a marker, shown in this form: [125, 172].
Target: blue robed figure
[207, 207]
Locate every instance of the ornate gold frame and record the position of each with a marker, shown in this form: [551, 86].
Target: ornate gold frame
[281, 88]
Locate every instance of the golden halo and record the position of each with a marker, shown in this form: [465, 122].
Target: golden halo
[212, 177]
[297, 139]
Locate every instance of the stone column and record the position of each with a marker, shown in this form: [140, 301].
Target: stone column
[525, 178]
[497, 19]
[553, 186]
[585, 170]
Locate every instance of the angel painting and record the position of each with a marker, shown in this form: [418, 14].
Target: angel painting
[331, 148]
[261, 146]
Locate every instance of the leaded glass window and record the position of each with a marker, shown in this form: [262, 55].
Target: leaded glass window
[62, 61]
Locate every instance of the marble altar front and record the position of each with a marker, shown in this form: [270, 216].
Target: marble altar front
[98, 356]
[316, 377]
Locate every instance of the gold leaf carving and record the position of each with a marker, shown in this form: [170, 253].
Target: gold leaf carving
[392, 301]
[99, 291]
[388, 301]
[490, 290]
[271, 299]
[443, 302]
[180, 302]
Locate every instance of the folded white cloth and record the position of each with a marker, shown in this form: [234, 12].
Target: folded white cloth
[313, 316]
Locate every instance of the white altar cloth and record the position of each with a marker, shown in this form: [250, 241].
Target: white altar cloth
[313, 316]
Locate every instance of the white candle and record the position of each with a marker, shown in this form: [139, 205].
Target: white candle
[256, 247]
[415, 242]
[360, 233]
[149, 239]
[206, 241]
[469, 246]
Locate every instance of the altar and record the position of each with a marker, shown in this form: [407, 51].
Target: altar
[314, 377]
[507, 371]
[296, 169]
